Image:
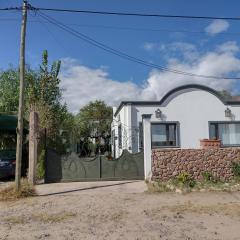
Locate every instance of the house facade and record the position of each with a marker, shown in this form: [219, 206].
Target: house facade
[183, 117]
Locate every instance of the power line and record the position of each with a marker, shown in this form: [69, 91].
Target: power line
[134, 14]
[127, 28]
[122, 54]
[11, 9]
[122, 13]
[117, 52]
[53, 36]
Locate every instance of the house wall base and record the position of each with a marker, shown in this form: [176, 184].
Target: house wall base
[167, 164]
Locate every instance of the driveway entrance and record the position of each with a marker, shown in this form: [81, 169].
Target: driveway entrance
[73, 168]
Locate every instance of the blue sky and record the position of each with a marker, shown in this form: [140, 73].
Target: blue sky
[89, 73]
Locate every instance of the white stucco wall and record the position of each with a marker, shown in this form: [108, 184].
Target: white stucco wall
[192, 109]
[123, 118]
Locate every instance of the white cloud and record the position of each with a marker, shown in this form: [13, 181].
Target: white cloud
[217, 26]
[187, 50]
[230, 46]
[149, 46]
[83, 84]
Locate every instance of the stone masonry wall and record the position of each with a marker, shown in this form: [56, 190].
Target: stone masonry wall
[167, 164]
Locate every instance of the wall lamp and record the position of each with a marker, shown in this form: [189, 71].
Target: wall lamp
[158, 113]
[228, 112]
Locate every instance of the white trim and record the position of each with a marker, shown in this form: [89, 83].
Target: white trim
[147, 147]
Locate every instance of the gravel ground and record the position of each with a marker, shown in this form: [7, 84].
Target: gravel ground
[120, 210]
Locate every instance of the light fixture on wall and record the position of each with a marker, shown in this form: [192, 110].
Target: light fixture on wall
[158, 113]
[228, 112]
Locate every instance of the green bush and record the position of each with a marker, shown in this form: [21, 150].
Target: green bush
[183, 177]
[207, 176]
[185, 180]
[40, 166]
[236, 169]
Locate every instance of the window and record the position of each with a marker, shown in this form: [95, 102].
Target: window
[228, 132]
[120, 136]
[164, 135]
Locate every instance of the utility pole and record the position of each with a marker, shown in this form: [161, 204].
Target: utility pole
[21, 99]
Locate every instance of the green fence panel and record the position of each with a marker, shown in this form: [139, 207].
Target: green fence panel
[72, 168]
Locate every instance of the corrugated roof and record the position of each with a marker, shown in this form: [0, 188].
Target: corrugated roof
[9, 123]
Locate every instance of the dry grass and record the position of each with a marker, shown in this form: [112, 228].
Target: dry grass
[41, 217]
[159, 187]
[53, 218]
[15, 220]
[9, 193]
[173, 186]
[229, 209]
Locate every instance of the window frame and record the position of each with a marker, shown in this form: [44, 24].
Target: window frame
[217, 129]
[177, 132]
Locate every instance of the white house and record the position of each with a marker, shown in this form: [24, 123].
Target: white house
[183, 117]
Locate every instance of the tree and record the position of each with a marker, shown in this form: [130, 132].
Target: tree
[44, 95]
[9, 88]
[225, 94]
[94, 124]
[45, 88]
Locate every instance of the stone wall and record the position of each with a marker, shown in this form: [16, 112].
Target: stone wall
[167, 164]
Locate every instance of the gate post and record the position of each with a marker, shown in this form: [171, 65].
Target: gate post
[147, 146]
[33, 144]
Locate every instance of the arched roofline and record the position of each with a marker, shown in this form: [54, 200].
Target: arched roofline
[193, 86]
[173, 92]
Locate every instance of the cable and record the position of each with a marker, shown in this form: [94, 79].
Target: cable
[122, 13]
[122, 54]
[11, 9]
[53, 36]
[117, 52]
[134, 14]
[126, 28]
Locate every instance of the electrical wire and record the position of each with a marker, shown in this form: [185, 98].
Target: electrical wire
[53, 37]
[117, 52]
[11, 9]
[126, 28]
[31, 8]
[122, 54]
[134, 14]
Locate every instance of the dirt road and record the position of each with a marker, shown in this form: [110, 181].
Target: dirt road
[120, 210]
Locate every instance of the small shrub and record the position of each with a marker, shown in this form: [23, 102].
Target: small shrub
[207, 176]
[236, 169]
[185, 180]
[10, 193]
[183, 177]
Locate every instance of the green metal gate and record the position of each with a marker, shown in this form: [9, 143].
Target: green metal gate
[71, 167]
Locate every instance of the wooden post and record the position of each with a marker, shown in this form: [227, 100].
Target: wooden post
[33, 146]
[21, 99]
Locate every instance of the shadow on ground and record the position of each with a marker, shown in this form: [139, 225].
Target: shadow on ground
[85, 189]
